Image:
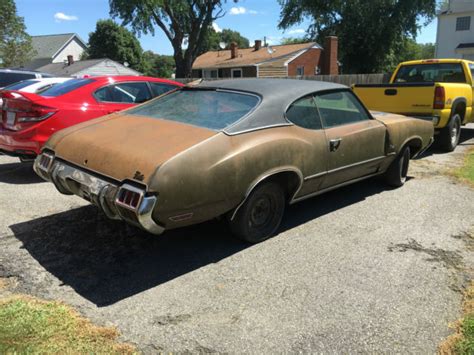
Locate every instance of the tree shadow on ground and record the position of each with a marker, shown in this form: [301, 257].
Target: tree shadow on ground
[106, 261]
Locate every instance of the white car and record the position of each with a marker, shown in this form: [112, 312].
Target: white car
[34, 86]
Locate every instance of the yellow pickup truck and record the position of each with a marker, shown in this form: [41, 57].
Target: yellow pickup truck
[440, 90]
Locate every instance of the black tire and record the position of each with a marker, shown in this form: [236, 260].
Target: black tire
[260, 216]
[449, 135]
[396, 174]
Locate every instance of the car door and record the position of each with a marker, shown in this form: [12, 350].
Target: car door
[356, 141]
[312, 159]
[121, 96]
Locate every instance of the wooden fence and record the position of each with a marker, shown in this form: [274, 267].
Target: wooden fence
[345, 79]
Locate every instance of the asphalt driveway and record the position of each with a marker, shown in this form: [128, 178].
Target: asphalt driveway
[361, 269]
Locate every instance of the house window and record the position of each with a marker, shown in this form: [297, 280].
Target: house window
[236, 73]
[317, 70]
[463, 23]
[210, 74]
[300, 70]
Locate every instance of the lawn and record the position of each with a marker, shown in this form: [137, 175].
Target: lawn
[29, 325]
[467, 171]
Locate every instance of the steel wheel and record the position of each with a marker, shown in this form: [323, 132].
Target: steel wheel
[260, 216]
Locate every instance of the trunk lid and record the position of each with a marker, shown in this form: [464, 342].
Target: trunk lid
[126, 146]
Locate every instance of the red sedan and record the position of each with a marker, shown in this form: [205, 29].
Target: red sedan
[28, 120]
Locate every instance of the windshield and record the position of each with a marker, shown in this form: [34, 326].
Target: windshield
[21, 85]
[66, 87]
[203, 108]
[433, 72]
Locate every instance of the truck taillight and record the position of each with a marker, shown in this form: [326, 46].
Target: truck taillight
[439, 98]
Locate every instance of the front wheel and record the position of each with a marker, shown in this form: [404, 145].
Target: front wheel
[449, 135]
[397, 172]
[260, 216]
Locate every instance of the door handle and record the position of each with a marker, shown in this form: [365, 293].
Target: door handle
[334, 144]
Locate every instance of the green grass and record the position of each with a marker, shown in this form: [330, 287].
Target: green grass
[462, 341]
[466, 343]
[28, 325]
[467, 171]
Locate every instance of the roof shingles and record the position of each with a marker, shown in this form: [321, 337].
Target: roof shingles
[249, 56]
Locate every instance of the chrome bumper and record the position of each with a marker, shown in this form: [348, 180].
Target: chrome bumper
[70, 180]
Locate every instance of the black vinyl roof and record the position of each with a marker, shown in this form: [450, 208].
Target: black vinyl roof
[275, 94]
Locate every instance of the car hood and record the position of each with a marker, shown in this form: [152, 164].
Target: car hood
[125, 146]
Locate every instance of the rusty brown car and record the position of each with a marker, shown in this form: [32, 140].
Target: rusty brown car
[242, 149]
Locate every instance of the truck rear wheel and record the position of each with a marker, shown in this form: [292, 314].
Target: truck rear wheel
[449, 135]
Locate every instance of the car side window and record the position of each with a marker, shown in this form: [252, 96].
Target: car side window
[340, 108]
[129, 93]
[160, 89]
[471, 66]
[304, 113]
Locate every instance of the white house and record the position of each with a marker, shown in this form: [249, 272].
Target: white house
[56, 49]
[455, 36]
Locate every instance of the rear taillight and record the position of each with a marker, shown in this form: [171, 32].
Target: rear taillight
[129, 197]
[45, 161]
[18, 111]
[439, 98]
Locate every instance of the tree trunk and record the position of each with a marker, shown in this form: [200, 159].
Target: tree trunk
[184, 66]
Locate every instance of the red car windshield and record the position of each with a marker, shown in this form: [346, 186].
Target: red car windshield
[66, 87]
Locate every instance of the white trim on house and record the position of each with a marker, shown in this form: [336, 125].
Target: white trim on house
[236, 69]
[69, 41]
[302, 52]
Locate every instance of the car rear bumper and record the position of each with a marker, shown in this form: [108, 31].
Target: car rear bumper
[98, 190]
[20, 144]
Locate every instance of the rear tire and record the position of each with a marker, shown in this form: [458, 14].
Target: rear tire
[397, 172]
[449, 135]
[260, 216]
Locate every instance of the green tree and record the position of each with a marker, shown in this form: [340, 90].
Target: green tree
[368, 30]
[294, 40]
[179, 19]
[161, 66]
[110, 40]
[407, 50]
[213, 39]
[228, 36]
[15, 43]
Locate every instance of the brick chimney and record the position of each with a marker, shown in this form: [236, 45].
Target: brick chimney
[258, 44]
[331, 66]
[234, 50]
[70, 60]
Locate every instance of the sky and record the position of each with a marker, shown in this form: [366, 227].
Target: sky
[254, 19]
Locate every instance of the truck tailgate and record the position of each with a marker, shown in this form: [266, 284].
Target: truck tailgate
[409, 99]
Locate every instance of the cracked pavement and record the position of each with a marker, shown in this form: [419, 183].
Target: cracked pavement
[360, 269]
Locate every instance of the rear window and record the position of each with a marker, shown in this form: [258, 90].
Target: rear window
[433, 72]
[11, 78]
[203, 108]
[21, 84]
[66, 87]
